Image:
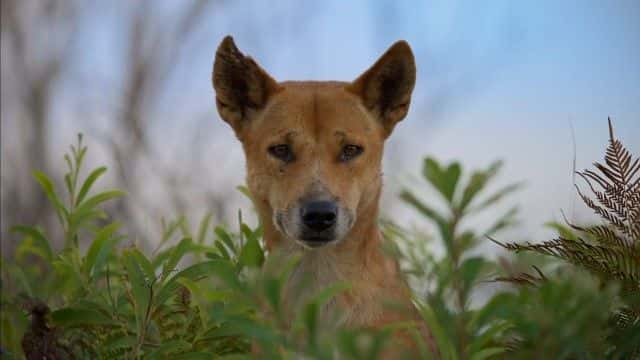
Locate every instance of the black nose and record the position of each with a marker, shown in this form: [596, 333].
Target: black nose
[319, 215]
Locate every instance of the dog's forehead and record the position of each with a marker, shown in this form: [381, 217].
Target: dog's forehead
[317, 107]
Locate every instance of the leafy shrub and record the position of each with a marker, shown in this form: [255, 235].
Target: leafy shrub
[449, 281]
[209, 291]
[116, 302]
[565, 312]
[609, 251]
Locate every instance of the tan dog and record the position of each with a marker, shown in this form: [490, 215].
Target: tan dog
[314, 152]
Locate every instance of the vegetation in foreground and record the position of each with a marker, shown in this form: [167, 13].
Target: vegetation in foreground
[201, 293]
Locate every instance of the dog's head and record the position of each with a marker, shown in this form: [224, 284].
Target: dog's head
[313, 149]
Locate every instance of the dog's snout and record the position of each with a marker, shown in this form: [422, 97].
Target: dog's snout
[319, 215]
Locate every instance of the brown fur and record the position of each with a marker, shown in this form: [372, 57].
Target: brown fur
[317, 119]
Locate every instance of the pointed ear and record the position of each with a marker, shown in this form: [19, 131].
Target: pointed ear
[241, 85]
[386, 87]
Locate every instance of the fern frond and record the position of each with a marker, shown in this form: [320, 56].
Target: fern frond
[618, 196]
[524, 278]
[604, 235]
[612, 218]
[625, 318]
[608, 262]
[626, 334]
[618, 160]
[611, 251]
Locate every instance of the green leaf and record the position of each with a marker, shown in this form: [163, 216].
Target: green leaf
[222, 250]
[260, 333]
[38, 238]
[444, 181]
[311, 310]
[68, 184]
[199, 298]
[236, 357]
[497, 196]
[116, 343]
[140, 288]
[49, 190]
[487, 353]
[245, 191]
[251, 254]
[68, 317]
[445, 346]
[96, 200]
[167, 348]
[221, 269]
[466, 241]
[85, 304]
[17, 273]
[329, 292]
[470, 269]
[161, 257]
[429, 213]
[272, 290]
[145, 264]
[495, 308]
[489, 335]
[86, 186]
[104, 253]
[67, 160]
[224, 236]
[102, 243]
[478, 181]
[28, 247]
[176, 254]
[82, 151]
[196, 355]
[79, 220]
[169, 229]
[204, 226]
[310, 315]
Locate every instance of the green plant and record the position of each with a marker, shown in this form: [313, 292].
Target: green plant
[609, 251]
[207, 291]
[199, 294]
[448, 282]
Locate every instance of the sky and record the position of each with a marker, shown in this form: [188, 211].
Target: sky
[528, 82]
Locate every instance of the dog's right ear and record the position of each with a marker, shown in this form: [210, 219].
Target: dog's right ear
[241, 85]
[386, 87]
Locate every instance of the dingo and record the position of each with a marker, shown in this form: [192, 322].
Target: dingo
[314, 151]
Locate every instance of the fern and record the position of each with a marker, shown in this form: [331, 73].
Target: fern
[610, 251]
[619, 193]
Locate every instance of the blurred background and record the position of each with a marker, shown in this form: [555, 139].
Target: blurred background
[531, 83]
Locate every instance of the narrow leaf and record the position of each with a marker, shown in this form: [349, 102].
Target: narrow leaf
[38, 237]
[86, 186]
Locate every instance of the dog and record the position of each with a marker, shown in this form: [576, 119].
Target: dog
[313, 156]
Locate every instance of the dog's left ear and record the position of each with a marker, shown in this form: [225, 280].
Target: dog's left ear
[242, 86]
[386, 87]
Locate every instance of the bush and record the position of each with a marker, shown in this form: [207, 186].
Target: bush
[113, 301]
[609, 252]
[210, 291]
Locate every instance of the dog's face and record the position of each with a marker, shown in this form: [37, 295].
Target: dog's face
[313, 149]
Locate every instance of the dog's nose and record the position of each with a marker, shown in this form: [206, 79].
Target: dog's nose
[319, 215]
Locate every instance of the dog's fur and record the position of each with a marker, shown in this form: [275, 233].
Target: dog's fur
[322, 141]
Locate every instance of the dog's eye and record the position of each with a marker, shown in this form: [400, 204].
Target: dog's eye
[282, 152]
[350, 151]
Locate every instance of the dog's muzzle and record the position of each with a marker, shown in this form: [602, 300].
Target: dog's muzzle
[319, 220]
